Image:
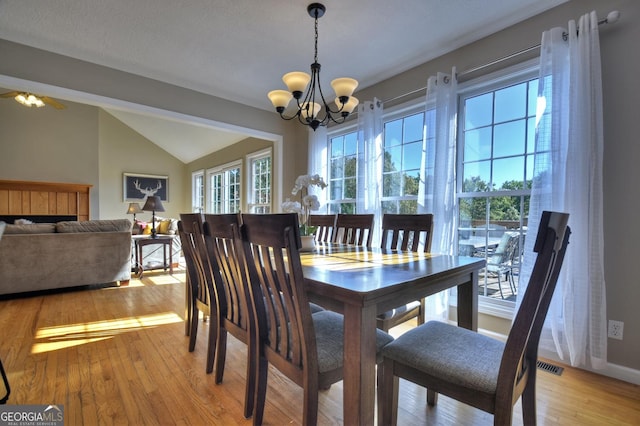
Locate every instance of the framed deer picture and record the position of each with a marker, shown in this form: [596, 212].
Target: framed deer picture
[137, 186]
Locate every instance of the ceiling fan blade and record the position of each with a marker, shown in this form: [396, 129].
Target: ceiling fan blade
[50, 101]
[10, 94]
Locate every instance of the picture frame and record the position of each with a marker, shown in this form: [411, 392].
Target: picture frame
[137, 186]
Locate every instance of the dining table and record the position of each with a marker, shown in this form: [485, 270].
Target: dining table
[362, 283]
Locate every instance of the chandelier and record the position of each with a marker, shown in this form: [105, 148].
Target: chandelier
[311, 104]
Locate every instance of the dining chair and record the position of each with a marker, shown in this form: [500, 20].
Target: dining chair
[410, 232]
[503, 259]
[307, 348]
[200, 286]
[5, 379]
[475, 369]
[324, 224]
[232, 308]
[355, 229]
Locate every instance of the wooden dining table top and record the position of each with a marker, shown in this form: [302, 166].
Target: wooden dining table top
[352, 273]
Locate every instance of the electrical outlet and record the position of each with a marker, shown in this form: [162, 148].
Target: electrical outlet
[615, 329]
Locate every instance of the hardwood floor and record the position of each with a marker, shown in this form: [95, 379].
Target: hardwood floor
[119, 356]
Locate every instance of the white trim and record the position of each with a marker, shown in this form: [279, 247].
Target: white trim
[195, 174]
[249, 158]
[614, 371]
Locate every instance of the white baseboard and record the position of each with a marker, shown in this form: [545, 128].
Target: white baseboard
[615, 371]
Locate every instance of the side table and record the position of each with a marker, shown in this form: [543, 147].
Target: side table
[165, 241]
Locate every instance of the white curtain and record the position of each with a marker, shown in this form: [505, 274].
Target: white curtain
[437, 189]
[370, 162]
[318, 158]
[568, 177]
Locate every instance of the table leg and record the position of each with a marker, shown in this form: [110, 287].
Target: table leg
[140, 267]
[170, 257]
[468, 303]
[359, 382]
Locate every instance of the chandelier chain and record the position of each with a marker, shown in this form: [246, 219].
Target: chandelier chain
[315, 56]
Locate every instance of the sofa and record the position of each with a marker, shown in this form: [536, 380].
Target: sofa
[46, 256]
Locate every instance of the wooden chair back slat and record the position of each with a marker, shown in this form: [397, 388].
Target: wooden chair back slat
[354, 229]
[325, 226]
[407, 231]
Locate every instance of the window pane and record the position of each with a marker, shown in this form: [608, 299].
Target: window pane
[507, 169]
[533, 98]
[511, 103]
[412, 155]
[336, 190]
[351, 144]
[391, 184]
[411, 182]
[350, 189]
[392, 159]
[509, 139]
[478, 111]
[337, 147]
[393, 133]
[476, 176]
[477, 144]
[413, 128]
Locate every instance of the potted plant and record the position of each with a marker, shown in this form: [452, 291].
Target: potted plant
[304, 207]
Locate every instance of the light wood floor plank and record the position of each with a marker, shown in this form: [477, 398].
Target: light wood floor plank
[120, 356]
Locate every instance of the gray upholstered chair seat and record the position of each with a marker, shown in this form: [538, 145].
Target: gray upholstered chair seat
[400, 310]
[451, 353]
[329, 328]
[315, 308]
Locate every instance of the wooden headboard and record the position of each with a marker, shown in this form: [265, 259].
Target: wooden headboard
[24, 199]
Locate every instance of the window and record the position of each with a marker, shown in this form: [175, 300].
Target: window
[197, 196]
[402, 144]
[496, 140]
[343, 172]
[224, 188]
[402, 163]
[260, 182]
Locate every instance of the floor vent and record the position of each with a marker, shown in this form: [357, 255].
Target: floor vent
[550, 368]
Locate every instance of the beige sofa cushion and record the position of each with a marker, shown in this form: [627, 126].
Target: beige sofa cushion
[115, 225]
[34, 228]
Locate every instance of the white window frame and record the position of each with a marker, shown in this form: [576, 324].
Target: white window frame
[223, 170]
[252, 203]
[491, 82]
[198, 200]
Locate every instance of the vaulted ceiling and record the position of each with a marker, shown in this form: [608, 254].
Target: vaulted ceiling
[239, 49]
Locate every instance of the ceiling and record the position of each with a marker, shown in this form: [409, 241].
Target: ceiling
[239, 49]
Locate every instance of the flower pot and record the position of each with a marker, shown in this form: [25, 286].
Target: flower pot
[308, 243]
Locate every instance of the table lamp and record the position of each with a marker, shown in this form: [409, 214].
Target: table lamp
[153, 204]
[133, 209]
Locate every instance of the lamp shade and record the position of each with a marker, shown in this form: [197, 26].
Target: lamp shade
[344, 86]
[134, 208]
[351, 104]
[153, 204]
[296, 81]
[280, 98]
[309, 110]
